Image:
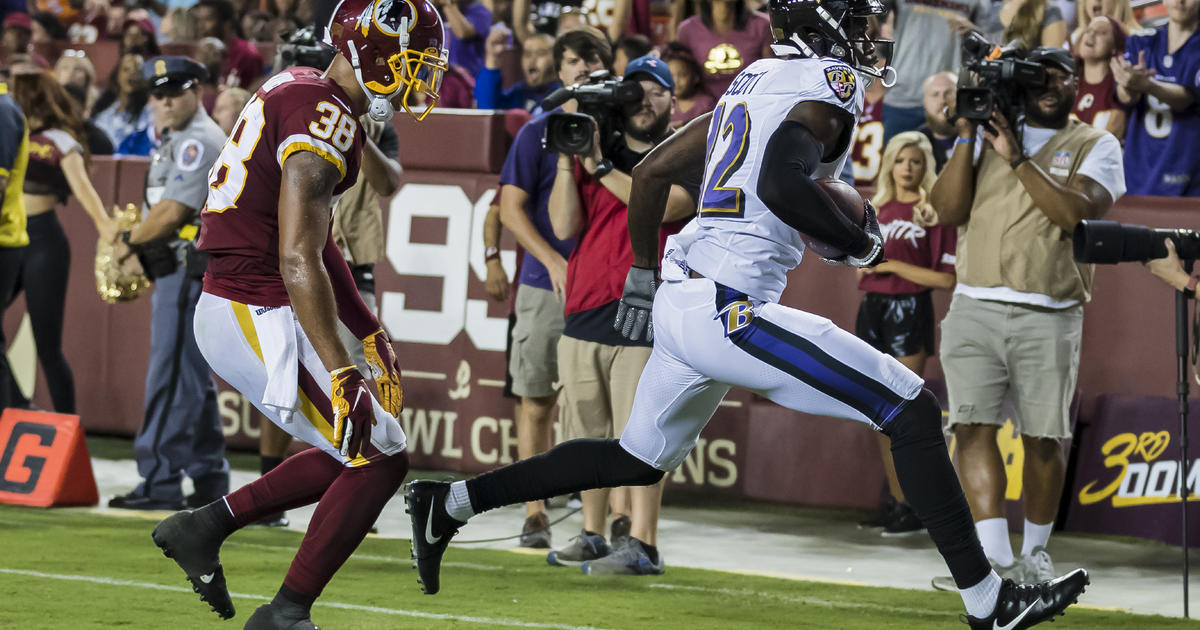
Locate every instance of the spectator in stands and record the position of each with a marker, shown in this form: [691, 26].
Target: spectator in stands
[691, 101]
[1016, 318]
[47, 29]
[75, 73]
[16, 38]
[178, 26]
[73, 68]
[629, 47]
[1085, 12]
[1034, 22]
[243, 65]
[866, 153]
[258, 26]
[1096, 103]
[467, 24]
[940, 91]
[121, 110]
[598, 367]
[896, 314]
[725, 36]
[138, 36]
[927, 41]
[537, 63]
[14, 155]
[1159, 77]
[527, 179]
[228, 107]
[550, 17]
[57, 171]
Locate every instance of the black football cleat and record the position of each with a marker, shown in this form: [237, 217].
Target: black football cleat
[184, 538]
[1024, 605]
[279, 616]
[432, 529]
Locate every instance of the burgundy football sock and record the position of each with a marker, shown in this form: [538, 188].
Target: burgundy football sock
[300, 480]
[342, 519]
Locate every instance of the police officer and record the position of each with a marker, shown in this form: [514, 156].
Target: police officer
[181, 431]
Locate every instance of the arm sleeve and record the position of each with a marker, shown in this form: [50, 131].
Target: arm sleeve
[786, 187]
[352, 311]
[487, 88]
[187, 182]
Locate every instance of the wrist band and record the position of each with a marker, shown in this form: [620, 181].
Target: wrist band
[491, 253]
[1019, 161]
[964, 140]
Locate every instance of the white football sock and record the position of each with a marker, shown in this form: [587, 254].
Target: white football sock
[1035, 536]
[993, 534]
[458, 502]
[980, 599]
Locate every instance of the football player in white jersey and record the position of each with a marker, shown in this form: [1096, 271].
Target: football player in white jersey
[782, 123]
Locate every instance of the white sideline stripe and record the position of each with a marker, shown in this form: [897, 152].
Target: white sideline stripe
[367, 556]
[730, 403]
[431, 376]
[375, 609]
[811, 601]
[490, 382]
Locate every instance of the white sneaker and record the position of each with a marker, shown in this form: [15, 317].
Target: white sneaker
[1038, 566]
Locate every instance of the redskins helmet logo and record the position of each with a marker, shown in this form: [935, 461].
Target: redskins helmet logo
[389, 23]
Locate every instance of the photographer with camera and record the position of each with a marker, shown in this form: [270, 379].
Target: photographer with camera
[1016, 317]
[598, 367]
[526, 179]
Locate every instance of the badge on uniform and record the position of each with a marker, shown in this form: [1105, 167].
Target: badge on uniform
[190, 153]
[842, 81]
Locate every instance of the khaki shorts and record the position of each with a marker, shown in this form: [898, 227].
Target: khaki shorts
[534, 360]
[599, 382]
[992, 349]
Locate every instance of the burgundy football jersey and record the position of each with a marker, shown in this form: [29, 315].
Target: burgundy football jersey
[868, 144]
[1095, 103]
[931, 247]
[296, 110]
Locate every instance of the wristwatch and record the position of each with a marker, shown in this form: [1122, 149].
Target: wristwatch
[603, 168]
[491, 253]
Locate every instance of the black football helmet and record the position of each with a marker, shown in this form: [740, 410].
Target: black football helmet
[832, 28]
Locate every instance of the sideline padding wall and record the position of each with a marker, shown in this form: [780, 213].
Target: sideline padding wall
[450, 339]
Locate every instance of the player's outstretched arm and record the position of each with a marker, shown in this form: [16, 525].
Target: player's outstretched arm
[304, 199]
[670, 161]
[811, 132]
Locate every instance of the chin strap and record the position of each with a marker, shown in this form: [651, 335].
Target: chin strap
[380, 108]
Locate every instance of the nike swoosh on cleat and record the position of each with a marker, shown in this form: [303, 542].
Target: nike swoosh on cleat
[1016, 620]
[429, 537]
[207, 578]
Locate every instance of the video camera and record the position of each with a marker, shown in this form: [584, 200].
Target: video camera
[1002, 76]
[603, 99]
[1109, 243]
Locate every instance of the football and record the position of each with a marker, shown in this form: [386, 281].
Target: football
[847, 199]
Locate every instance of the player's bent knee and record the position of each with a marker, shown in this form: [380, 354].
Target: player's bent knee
[920, 419]
[638, 472]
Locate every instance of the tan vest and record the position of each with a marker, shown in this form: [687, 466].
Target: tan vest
[1008, 242]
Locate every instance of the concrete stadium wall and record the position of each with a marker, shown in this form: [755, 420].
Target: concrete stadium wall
[450, 338]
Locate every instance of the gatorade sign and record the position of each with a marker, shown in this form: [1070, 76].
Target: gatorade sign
[44, 460]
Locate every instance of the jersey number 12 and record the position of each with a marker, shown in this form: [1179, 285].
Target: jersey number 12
[718, 199]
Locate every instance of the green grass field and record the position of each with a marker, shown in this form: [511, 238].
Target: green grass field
[71, 570]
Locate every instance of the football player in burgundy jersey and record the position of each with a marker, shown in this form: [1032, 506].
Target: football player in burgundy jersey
[276, 286]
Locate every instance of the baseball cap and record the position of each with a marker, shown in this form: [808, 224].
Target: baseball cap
[1053, 57]
[656, 68]
[18, 20]
[145, 23]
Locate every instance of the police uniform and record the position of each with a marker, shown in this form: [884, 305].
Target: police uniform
[181, 431]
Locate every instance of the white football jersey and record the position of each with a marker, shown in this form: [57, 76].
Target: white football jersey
[734, 239]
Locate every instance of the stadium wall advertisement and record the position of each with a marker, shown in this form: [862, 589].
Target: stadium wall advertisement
[450, 336]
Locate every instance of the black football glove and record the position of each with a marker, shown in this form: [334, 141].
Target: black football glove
[637, 300]
[874, 256]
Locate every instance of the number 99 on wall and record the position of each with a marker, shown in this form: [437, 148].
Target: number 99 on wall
[460, 255]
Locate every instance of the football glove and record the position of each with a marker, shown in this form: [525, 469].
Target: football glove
[385, 369]
[874, 256]
[353, 415]
[633, 313]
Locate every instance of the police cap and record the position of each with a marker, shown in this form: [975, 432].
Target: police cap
[173, 73]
